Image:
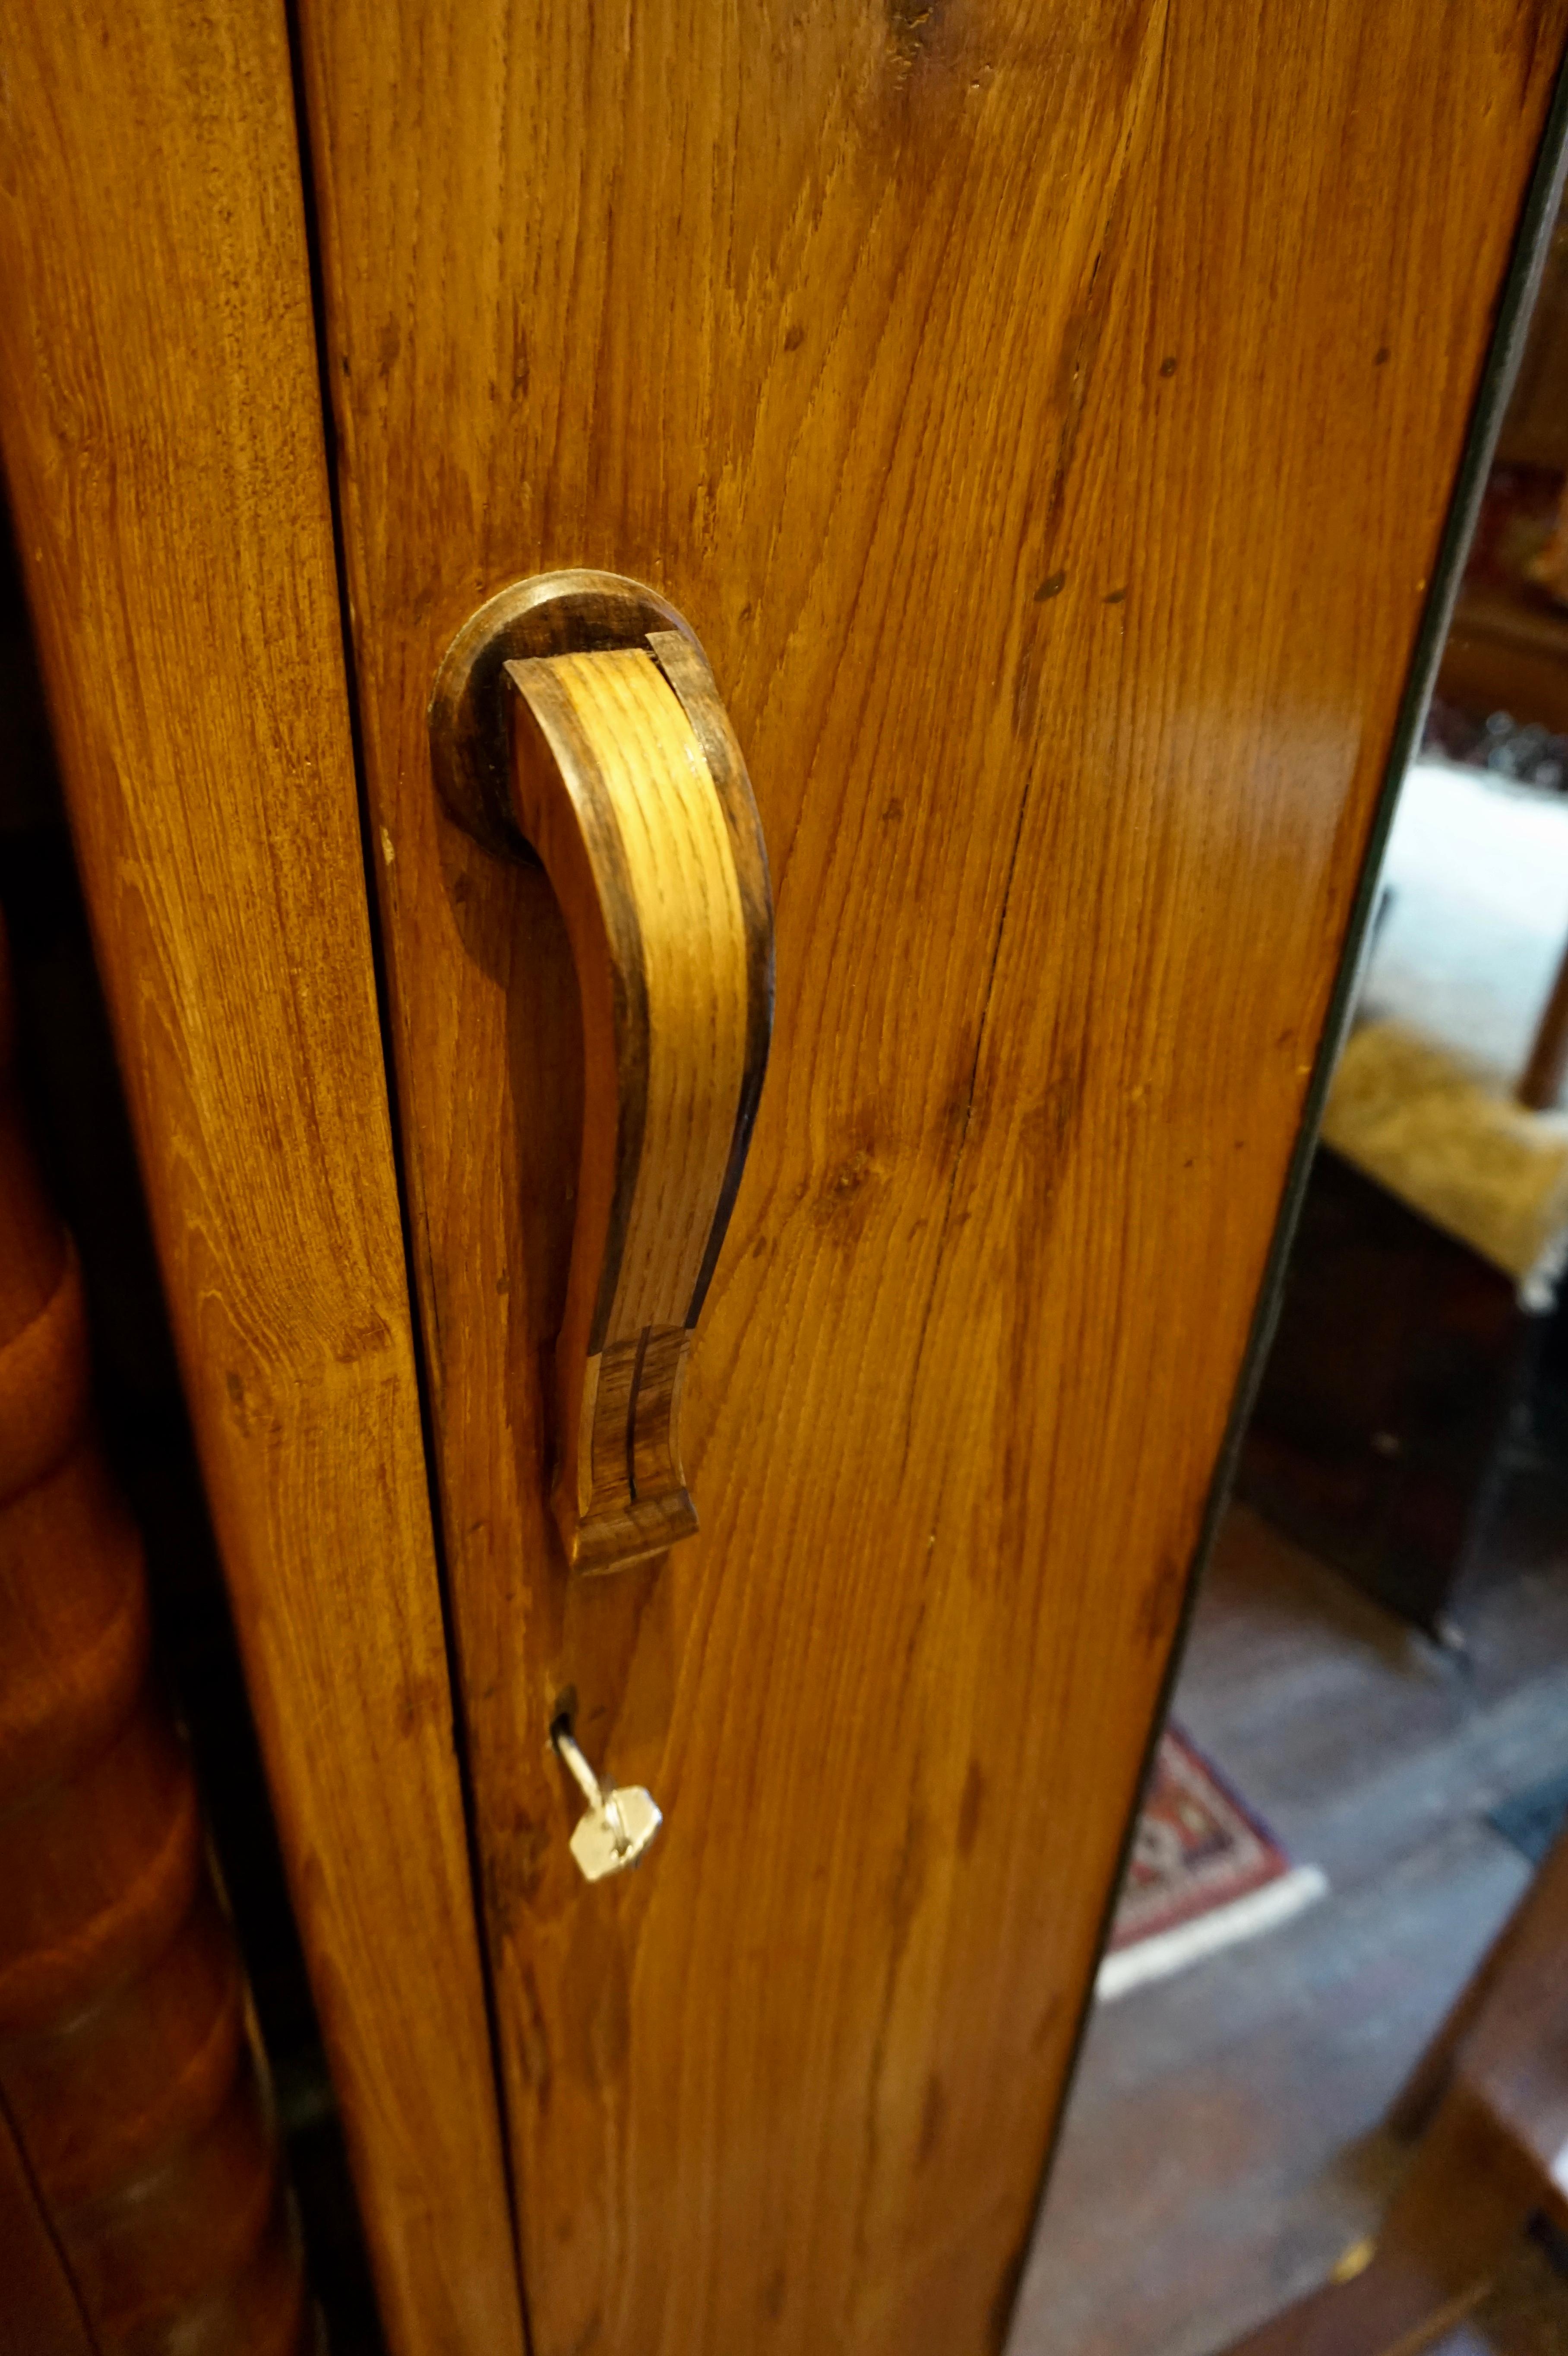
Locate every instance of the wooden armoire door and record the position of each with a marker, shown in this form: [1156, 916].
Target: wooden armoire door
[1046, 415]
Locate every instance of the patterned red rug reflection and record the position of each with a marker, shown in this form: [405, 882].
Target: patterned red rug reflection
[1205, 1872]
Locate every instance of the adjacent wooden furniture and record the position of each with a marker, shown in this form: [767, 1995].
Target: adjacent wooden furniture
[143, 2207]
[1534, 432]
[1397, 1358]
[1507, 652]
[1493, 2151]
[162, 438]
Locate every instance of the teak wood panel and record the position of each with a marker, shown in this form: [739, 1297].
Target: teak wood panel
[1046, 416]
[163, 437]
[627, 784]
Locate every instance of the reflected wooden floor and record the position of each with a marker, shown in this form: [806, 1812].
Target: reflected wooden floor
[1223, 2147]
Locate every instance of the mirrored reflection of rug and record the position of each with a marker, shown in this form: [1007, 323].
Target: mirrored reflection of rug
[1205, 1872]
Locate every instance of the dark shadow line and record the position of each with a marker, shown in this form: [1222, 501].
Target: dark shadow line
[384, 1012]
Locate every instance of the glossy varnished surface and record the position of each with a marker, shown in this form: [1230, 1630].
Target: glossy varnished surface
[143, 2207]
[161, 436]
[658, 866]
[1045, 416]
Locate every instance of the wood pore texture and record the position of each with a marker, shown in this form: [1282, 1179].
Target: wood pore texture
[162, 435]
[1045, 415]
[133, 2117]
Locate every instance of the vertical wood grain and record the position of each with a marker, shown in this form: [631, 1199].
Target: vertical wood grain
[612, 789]
[162, 435]
[1045, 415]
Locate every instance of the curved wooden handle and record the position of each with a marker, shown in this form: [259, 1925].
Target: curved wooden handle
[626, 780]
